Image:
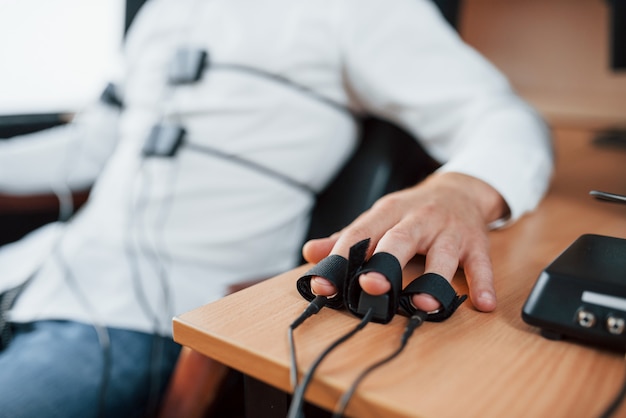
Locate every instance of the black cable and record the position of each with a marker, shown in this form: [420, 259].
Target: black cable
[137, 204]
[282, 80]
[102, 332]
[415, 321]
[295, 409]
[160, 259]
[616, 402]
[314, 307]
[151, 248]
[268, 171]
[293, 369]
[66, 212]
[136, 210]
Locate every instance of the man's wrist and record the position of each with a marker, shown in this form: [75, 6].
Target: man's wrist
[487, 199]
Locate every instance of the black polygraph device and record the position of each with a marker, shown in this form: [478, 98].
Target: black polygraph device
[582, 294]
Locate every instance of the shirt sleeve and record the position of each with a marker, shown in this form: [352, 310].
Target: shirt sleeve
[405, 63]
[70, 155]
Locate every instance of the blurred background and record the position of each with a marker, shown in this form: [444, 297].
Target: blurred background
[56, 55]
[566, 57]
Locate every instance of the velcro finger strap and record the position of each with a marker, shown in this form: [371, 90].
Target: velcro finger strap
[384, 306]
[333, 268]
[438, 287]
[336, 269]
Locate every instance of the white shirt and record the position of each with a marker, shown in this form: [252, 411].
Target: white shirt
[160, 236]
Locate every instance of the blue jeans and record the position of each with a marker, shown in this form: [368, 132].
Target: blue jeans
[63, 369]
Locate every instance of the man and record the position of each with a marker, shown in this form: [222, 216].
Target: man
[234, 114]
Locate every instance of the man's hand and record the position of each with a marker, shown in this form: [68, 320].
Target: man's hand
[444, 217]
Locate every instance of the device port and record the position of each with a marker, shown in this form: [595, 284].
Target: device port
[586, 319]
[615, 325]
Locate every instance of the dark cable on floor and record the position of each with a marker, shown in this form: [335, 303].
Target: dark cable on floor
[314, 307]
[616, 402]
[415, 321]
[295, 409]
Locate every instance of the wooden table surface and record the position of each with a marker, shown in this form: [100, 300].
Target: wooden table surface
[473, 365]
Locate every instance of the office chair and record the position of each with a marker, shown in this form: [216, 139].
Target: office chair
[387, 159]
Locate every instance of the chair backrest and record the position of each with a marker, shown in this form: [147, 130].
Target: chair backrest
[387, 159]
[450, 9]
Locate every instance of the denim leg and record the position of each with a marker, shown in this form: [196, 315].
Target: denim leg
[57, 369]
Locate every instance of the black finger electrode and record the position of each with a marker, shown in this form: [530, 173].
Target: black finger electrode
[336, 269]
[344, 275]
[332, 268]
[438, 287]
[384, 306]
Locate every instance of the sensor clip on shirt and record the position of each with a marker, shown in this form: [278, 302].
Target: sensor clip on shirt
[187, 65]
[109, 96]
[163, 140]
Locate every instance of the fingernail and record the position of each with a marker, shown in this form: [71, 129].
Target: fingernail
[487, 297]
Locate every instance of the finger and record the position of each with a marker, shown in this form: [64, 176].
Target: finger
[402, 241]
[315, 250]
[372, 224]
[365, 226]
[479, 275]
[340, 243]
[374, 283]
[322, 287]
[442, 258]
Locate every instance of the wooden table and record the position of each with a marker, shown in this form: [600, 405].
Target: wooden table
[474, 364]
